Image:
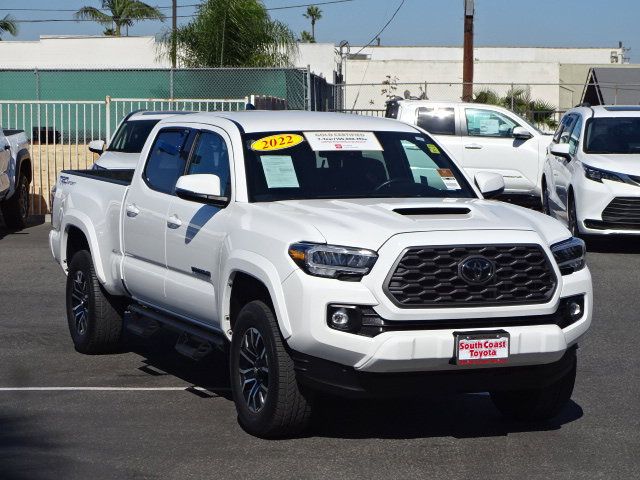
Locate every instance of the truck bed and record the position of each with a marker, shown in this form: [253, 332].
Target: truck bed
[120, 177]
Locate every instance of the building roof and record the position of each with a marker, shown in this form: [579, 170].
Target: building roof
[613, 86]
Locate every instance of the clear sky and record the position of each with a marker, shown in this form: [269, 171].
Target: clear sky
[561, 23]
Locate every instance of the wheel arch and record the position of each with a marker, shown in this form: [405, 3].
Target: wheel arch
[24, 164]
[78, 234]
[249, 276]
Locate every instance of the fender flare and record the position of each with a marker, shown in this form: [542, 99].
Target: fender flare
[82, 222]
[263, 270]
[22, 156]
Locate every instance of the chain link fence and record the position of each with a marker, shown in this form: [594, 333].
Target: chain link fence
[294, 86]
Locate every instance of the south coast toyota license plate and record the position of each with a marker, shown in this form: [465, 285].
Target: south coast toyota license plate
[480, 348]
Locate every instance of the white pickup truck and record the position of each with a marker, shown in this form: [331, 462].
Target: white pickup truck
[483, 138]
[330, 252]
[15, 177]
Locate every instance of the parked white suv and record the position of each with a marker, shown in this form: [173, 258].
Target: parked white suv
[592, 173]
[124, 149]
[482, 138]
[334, 253]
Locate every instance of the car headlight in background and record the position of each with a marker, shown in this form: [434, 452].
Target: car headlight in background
[332, 261]
[598, 175]
[570, 255]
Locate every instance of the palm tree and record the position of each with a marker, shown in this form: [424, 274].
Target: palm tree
[8, 24]
[306, 37]
[121, 13]
[519, 100]
[315, 14]
[232, 33]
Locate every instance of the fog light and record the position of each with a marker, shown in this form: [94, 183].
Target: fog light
[346, 318]
[575, 310]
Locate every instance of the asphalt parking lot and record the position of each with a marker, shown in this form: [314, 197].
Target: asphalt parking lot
[133, 415]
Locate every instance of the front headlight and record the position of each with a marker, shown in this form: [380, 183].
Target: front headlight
[598, 175]
[332, 261]
[569, 255]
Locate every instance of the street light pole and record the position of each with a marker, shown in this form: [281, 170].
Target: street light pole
[467, 62]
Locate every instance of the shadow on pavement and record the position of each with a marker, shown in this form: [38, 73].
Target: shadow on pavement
[33, 221]
[458, 416]
[26, 452]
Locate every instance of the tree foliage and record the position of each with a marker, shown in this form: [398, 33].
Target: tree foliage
[233, 33]
[518, 100]
[9, 25]
[121, 13]
[314, 14]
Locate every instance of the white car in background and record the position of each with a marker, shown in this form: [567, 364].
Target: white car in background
[126, 144]
[482, 138]
[592, 173]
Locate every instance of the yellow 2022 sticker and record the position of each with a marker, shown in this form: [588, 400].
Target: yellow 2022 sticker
[277, 142]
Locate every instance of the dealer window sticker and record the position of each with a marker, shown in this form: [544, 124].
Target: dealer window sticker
[449, 180]
[336, 141]
[433, 149]
[279, 171]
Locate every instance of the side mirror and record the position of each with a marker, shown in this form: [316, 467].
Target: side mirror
[521, 133]
[202, 188]
[96, 146]
[490, 184]
[560, 150]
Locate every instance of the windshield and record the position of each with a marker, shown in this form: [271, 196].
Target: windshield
[311, 165]
[612, 135]
[131, 136]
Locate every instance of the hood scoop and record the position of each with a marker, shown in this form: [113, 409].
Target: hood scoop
[417, 211]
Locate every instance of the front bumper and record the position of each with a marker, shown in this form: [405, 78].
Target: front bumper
[330, 377]
[592, 198]
[423, 350]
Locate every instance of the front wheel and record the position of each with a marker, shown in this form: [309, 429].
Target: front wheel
[266, 393]
[94, 316]
[537, 404]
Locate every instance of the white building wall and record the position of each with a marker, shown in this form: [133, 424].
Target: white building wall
[82, 52]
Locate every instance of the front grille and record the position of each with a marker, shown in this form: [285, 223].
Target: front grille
[428, 277]
[623, 210]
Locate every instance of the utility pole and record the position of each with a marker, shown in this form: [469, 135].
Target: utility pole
[467, 62]
[174, 29]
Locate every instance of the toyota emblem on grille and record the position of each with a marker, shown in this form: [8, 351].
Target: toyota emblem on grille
[477, 270]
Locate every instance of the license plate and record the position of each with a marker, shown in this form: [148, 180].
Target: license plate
[481, 348]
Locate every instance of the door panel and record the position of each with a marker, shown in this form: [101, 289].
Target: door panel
[489, 146]
[196, 235]
[145, 217]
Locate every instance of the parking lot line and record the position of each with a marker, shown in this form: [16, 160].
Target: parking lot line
[107, 389]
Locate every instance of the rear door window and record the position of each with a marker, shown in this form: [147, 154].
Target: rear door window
[167, 159]
[439, 121]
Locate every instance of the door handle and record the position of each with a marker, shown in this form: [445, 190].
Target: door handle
[174, 222]
[473, 146]
[132, 210]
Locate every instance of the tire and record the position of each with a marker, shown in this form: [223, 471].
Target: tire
[545, 199]
[94, 316]
[537, 404]
[572, 216]
[271, 404]
[15, 210]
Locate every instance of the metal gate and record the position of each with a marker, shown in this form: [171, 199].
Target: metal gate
[61, 130]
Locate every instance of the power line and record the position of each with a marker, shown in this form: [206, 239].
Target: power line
[169, 7]
[47, 20]
[383, 28]
[308, 5]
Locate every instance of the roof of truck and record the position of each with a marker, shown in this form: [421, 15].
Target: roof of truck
[295, 120]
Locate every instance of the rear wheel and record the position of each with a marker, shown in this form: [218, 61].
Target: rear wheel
[15, 210]
[94, 316]
[537, 404]
[266, 393]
